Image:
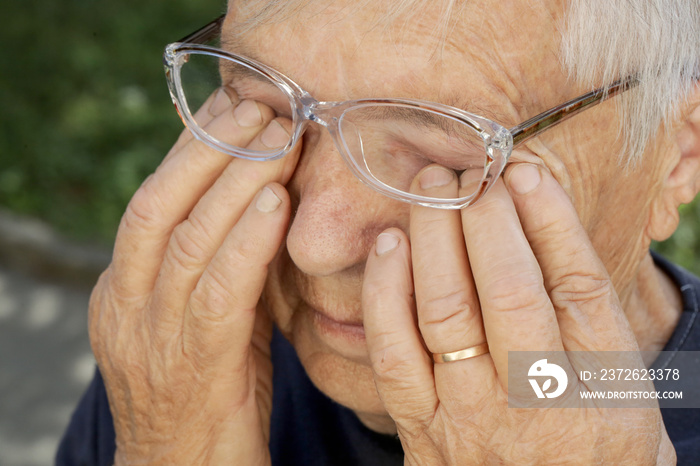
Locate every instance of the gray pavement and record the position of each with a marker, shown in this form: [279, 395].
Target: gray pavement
[45, 357]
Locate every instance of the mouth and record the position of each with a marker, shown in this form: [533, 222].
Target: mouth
[342, 335]
[336, 327]
[355, 328]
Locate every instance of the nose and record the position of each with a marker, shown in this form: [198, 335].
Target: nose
[337, 217]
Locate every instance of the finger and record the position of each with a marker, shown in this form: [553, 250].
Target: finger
[215, 105]
[403, 371]
[195, 241]
[589, 314]
[515, 307]
[167, 197]
[220, 315]
[448, 307]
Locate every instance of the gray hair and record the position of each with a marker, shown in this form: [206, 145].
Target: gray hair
[658, 41]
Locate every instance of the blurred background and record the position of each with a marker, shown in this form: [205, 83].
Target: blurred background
[86, 117]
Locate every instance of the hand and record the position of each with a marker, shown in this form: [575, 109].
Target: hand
[516, 270]
[175, 321]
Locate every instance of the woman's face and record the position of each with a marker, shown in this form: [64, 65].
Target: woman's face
[500, 61]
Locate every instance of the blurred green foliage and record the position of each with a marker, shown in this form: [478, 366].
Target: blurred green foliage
[86, 113]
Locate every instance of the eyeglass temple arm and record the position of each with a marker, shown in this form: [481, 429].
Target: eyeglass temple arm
[205, 34]
[535, 125]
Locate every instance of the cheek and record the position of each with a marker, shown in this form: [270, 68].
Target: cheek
[618, 226]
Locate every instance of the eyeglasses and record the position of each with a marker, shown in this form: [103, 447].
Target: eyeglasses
[384, 142]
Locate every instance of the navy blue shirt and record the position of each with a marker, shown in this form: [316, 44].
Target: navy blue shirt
[308, 428]
[683, 425]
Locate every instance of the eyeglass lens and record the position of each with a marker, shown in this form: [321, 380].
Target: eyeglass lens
[390, 142]
[203, 75]
[395, 142]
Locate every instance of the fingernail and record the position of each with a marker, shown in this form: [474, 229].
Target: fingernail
[386, 242]
[274, 135]
[247, 114]
[267, 201]
[221, 101]
[524, 178]
[435, 177]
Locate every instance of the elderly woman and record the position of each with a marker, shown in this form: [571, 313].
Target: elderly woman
[402, 207]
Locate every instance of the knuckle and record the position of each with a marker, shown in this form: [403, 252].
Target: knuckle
[209, 297]
[189, 244]
[452, 308]
[103, 314]
[213, 299]
[145, 210]
[95, 306]
[581, 288]
[518, 292]
[548, 227]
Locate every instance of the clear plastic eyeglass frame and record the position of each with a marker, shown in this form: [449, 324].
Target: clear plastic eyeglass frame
[498, 140]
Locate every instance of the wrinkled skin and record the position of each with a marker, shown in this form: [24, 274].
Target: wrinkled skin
[554, 257]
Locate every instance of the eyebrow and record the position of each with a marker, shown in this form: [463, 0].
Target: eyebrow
[233, 42]
[231, 69]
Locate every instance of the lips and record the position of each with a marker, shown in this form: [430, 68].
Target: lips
[348, 327]
[335, 323]
[351, 322]
[344, 337]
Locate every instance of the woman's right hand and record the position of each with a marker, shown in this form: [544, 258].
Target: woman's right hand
[176, 326]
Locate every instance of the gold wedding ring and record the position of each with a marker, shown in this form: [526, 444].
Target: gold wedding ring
[466, 353]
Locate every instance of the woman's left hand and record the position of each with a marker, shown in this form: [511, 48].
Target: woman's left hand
[518, 271]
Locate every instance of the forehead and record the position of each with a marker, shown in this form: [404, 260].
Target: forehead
[480, 55]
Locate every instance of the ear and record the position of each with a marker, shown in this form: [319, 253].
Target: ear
[681, 181]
